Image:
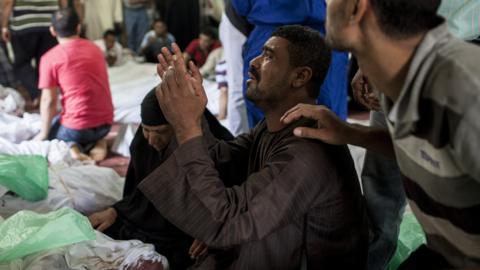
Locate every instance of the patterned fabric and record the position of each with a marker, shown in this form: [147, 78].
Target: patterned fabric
[32, 14]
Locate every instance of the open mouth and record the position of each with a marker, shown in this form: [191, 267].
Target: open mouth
[251, 76]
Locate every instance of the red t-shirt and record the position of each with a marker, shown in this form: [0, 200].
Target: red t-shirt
[78, 68]
[193, 49]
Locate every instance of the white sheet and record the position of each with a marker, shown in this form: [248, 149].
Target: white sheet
[16, 129]
[102, 253]
[84, 187]
[11, 101]
[129, 83]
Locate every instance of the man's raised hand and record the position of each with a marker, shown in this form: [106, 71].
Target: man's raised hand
[180, 94]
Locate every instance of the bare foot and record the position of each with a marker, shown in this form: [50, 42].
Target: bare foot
[76, 154]
[99, 151]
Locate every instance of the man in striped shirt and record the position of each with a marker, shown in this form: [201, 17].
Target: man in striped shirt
[430, 88]
[25, 24]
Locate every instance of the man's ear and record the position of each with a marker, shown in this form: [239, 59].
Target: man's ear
[302, 76]
[358, 10]
[79, 29]
[52, 32]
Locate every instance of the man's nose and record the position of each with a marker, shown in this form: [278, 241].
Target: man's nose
[254, 62]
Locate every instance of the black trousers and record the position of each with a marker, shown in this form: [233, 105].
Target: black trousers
[28, 46]
[424, 258]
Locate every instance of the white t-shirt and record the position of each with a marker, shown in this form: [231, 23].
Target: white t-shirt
[117, 51]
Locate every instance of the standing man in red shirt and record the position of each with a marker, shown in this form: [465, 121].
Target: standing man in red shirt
[74, 69]
[199, 49]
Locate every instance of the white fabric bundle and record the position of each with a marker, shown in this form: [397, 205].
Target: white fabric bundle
[102, 253]
[11, 101]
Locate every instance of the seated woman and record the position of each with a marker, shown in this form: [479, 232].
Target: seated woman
[134, 217]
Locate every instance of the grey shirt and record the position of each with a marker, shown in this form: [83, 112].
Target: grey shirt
[436, 134]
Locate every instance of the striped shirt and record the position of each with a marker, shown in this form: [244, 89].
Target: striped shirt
[32, 15]
[463, 17]
[221, 74]
[436, 133]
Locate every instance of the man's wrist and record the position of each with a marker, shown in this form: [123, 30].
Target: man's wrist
[358, 134]
[185, 135]
[4, 29]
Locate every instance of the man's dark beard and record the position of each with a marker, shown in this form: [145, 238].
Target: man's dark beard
[255, 73]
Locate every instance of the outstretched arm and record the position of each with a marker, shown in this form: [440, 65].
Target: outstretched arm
[48, 110]
[332, 130]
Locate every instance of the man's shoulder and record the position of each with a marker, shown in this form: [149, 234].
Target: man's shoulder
[54, 55]
[454, 77]
[456, 59]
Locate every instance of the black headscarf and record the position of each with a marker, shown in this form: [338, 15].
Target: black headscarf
[150, 111]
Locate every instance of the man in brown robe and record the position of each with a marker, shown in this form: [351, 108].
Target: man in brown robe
[300, 200]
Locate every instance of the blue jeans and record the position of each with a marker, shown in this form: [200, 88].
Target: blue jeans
[84, 139]
[137, 25]
[385, 197]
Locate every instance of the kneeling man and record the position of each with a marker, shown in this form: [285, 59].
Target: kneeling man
[298, 199]
[74, 69]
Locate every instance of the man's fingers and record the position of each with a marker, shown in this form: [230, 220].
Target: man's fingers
[162, 63]
[314, 112]
[198, 249]
[204, 251]
[195, 71]
[197, 86]
[93, 220]
[178, 56]
[168, 56]
[159, 92]
[311, 133]
[103, 226]
[194, 246]
[179, 61]
[160, 71]
[170, 86]
[294, 108]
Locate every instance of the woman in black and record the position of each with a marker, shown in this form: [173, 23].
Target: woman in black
[134, 217]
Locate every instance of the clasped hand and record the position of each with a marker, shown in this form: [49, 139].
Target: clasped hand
[180, 95]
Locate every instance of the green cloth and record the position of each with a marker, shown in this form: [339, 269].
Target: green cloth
[463, 17]
[411, 236]
[27, 232]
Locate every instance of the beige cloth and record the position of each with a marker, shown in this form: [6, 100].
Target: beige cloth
[101, 15]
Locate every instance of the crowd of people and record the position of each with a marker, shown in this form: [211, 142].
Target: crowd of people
[277, 187]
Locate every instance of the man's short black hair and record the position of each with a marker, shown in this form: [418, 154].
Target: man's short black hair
[109, 32]
[209, 33]
[65, 22]
[405, 18]
[307, 48]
